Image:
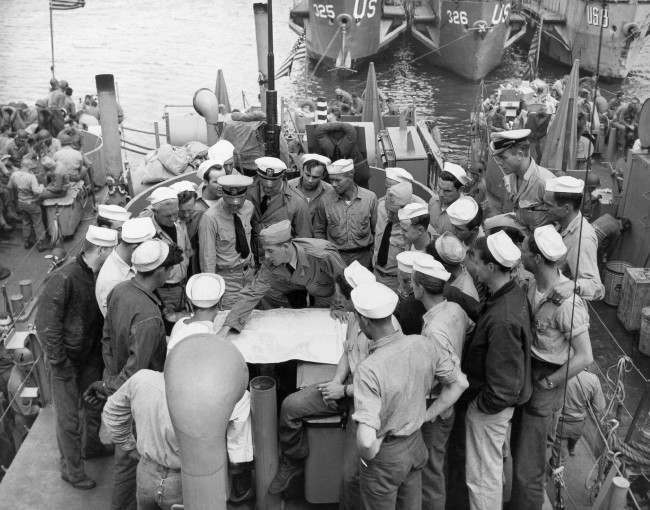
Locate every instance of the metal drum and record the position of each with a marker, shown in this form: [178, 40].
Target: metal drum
[613, 281]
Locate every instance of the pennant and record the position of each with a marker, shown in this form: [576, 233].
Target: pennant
[66, 5]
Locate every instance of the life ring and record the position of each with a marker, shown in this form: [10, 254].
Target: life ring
[344, 20]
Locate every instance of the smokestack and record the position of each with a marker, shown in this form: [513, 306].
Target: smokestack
[205, 376]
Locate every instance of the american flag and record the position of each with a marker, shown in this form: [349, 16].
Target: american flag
[66, 5]
[298, 52]
[533, 52]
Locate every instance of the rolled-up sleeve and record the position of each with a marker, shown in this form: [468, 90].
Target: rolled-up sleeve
[591, 288]
[249, 297]
[207, 244]
[367, 400]
[446, 366]
[117, 417]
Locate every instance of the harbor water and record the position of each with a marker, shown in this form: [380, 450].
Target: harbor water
[162, 51]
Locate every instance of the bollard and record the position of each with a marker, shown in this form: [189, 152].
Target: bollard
[16, 304]
[110, 127]
[618, 493]
[26, 290]
[264, 417]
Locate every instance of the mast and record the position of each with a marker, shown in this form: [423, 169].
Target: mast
[272, 128]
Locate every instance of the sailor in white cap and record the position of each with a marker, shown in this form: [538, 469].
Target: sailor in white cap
[389, 418]
[117, 267]
[329, 398]
[310, 185]
[169, 228]
[446, 325]
[414, 221]
[111, 216]
[223, 153]
[564, 195]
[390, 239]
[525, 179]
[450, 184]
[395, 175]
[451, 252]
[466, 215]
[561, 349]
[497, 362]
[68, 322]
[225, 237]
[347, 214]
[292, 267]
[134, 339]
[409, 310]
[274, 200]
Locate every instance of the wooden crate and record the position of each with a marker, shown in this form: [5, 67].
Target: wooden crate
[635, 295]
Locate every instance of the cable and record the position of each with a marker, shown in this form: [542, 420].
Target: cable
[322, 57]
[20, 387]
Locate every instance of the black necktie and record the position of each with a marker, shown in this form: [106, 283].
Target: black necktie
[265, 203]
[382, 254]
[241, 243]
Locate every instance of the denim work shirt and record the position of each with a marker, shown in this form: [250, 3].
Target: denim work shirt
[587, 274]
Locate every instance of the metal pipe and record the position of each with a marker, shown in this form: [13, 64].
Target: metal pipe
[270, 59]
[205, 376]
[260, 12]
[264, 417]
[156, 131]
[110, 128]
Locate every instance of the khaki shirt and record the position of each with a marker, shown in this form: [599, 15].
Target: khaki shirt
[356, 345]
[26, 185]
[70, 159]
[312, 203]
[217, 239]
[448, 325]
[438, 217]
[114, 270]
[391, 385]
[587, 274]
[529, 195]
[552, 323]
[465, 284]
[347, 226]
[582, 390]
[318, 266]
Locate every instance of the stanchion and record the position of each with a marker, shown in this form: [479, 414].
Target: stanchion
[264, 416]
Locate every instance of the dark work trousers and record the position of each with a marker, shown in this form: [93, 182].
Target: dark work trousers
[456, 485]
[77, 425]
[124, 481]
[532, 424]
[393, 479]
[436, 437]
[309, 402]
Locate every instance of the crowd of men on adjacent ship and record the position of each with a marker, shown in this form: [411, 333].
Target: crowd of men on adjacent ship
[461, 330]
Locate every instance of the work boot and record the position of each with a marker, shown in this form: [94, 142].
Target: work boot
[287, 471]
[4, 272]
[242, 482]
[42, 246]
[85, 483]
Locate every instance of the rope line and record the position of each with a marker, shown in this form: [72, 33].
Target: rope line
[327, 48]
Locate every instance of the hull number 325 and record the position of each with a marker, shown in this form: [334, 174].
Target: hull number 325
[362, 9]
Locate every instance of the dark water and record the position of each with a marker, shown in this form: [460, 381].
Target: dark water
[162, 51]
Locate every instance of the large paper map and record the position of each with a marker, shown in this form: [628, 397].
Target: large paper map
[273, 336]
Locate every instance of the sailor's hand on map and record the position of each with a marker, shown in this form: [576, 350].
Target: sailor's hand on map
[95, 394]
[223, 331]
[332, 390]
[339, 314]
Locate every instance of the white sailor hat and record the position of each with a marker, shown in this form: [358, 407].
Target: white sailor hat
[270, 168]
[565, 184]
[221, 152]
[207, 164]
[277, 233]
[355, 274]
[405, 260]
[450, 249]
[398, 195]
[205, 289]
[101, 236]
[462, 210]
[340, 166]
[113, 212]
[504, 251]
[374, 300]
[235, 186]
[149, 255]
[138, 230]
[398, 174]
[503, 140]
[162, 194]
[501, 221]
[412, 210]
[429, 266]
[457, 171]
[550, 243]
[181, 186]
[305, 158]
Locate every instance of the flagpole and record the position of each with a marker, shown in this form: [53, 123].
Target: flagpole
[51, 41]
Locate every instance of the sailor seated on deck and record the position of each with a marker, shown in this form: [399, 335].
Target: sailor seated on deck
[326, 399]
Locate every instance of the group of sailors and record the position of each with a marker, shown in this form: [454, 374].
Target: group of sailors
[461, 330]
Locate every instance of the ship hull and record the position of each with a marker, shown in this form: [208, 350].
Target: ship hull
[343, 34]
[578, 36]
[465, 37]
